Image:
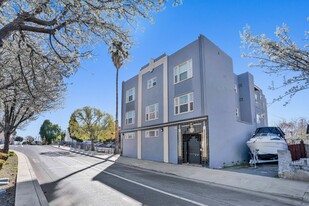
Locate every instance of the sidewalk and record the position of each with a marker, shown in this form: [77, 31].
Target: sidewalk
[28, 190]
[293, 190]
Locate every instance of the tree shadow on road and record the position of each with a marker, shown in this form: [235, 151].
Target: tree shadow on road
[50, 189]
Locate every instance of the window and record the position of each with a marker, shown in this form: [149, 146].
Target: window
[183, 103]
[152, 112]
[130, 95]
[152, 133]
[258, 118]
[183, 71]
[151, 82]
[130, 117]
[235, 89]
[237, 112]
[130, 135]
[256, 96]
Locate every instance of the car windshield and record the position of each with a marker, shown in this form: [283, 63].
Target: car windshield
[266, 130]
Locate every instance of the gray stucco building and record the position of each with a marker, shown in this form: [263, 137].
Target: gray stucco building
[189, 107]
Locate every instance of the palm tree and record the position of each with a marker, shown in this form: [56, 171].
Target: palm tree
[119, 55]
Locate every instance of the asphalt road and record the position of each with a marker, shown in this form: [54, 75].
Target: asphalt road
[73, 179]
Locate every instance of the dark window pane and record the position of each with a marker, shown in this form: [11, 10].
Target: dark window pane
[183, 76]
[191, 106]
[183, 108]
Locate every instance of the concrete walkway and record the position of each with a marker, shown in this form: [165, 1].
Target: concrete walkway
[277, 188]
[28, 190]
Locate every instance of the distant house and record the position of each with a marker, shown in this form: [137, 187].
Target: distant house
[189, 107]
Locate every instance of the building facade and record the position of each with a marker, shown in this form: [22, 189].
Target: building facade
[189, 107]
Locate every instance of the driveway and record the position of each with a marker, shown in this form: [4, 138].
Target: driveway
[265, 169]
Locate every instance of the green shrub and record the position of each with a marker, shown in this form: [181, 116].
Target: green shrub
[11, 153]
[3, 156]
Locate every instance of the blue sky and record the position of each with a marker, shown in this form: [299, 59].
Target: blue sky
[175, 27]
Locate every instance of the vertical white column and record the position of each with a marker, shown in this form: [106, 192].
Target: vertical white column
[180, 155]
[165, 144]
[139, 144]
[139, 116]
[204, 144]
[165, 109]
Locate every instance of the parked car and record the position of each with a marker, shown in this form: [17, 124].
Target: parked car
[110, 145]
[100, 144]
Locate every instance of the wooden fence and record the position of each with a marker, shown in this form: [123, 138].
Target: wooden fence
[297, 151]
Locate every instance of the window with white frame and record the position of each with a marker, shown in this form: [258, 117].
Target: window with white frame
[151, 82]
[184, 103]
[152, 133]
[183, 71]
[130, 95]
[130, 117]
[152, 112]
[130, 135]
[236, 89]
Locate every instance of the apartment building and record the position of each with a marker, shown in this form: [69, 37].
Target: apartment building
[189, 107]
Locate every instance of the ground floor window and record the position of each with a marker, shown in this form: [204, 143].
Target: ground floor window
[152, 133]
[130, 135]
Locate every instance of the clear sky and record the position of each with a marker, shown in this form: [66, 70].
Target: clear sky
[221, 21]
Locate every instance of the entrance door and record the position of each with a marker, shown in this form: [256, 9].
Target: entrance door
[191, 149]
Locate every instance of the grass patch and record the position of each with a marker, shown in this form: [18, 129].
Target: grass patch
[3, 156]
[11, 153]
[9, 170]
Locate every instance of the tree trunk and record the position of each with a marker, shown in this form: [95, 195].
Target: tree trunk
[116, 118]
[92, 145]
[7, 136]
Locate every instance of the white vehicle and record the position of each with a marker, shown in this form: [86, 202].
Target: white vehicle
[266, 142]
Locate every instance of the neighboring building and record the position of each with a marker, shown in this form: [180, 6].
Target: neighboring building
[189, 107]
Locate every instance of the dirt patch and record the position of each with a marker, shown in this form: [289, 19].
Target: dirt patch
[9, 170]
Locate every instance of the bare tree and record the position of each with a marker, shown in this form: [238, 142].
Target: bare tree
[295, 129]
[65, 31]
[279, 57]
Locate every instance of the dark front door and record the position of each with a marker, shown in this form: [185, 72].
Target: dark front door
[191, 149]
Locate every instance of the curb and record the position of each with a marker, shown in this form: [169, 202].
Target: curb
[28, 189]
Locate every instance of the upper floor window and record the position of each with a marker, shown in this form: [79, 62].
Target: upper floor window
[152, 133]
[152, 112]
[151, 82]
[130, 95]
[130, 135]
[235, 89]
[183, 103]
[130, 117]
[183, 71]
